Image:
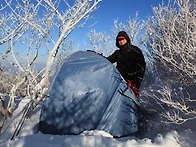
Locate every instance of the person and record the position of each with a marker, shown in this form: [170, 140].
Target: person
[130, 61]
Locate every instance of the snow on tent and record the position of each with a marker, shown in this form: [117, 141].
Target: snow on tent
[86, 94]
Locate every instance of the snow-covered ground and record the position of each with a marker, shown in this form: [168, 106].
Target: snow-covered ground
[29, 137]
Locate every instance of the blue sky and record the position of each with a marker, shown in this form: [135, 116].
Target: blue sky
[110, 10]
[104, 16]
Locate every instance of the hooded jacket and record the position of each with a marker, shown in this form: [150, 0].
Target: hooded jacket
[130, 60]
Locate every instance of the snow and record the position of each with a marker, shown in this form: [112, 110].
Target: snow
[29, 137]
[155, 134]
[92, 138]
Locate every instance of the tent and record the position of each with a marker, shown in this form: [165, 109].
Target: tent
[88, 93]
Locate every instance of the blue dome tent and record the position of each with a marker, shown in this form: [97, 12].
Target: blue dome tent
[88, 93]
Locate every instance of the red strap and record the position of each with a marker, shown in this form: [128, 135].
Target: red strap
[132, 85]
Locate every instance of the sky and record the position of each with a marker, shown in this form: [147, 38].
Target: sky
[110, 10]
[104, 16]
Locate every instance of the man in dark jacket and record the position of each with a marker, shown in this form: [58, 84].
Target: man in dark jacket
[130, 61]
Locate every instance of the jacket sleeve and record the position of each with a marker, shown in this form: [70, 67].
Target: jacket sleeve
[112, 58]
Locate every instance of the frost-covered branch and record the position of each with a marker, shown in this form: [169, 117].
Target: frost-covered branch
[13, 94]
[173, 103]
[133, 27]
[171, 41]
[106, 44]
[101, 42]
[171, 46]
[39, 27]
[73, 16]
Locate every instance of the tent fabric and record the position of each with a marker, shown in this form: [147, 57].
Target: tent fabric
[86, 94]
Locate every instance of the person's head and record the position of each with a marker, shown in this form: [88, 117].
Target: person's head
[122, 38]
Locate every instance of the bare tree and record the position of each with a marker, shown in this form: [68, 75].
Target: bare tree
[134, 27]
[101, 42]
[105, 43]
[31, 27]
[171, 45]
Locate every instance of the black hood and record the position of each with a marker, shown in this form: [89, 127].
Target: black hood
[123, 34]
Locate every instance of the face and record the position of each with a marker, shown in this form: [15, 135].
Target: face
[122, 41]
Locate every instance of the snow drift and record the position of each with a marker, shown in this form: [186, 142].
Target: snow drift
[86, 94]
